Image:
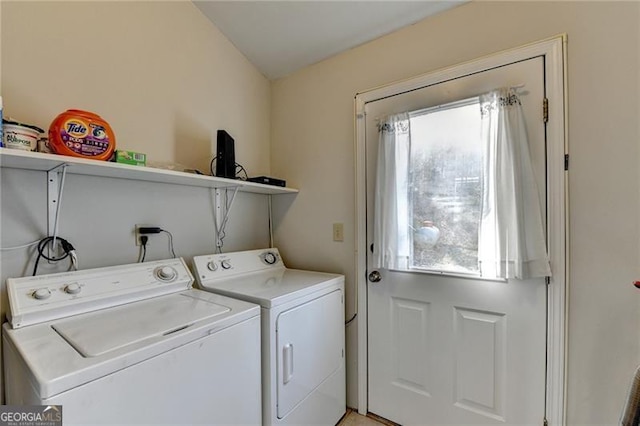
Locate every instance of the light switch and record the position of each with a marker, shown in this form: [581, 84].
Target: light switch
[338, 232]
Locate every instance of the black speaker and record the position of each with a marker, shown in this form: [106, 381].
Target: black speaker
[225, 156]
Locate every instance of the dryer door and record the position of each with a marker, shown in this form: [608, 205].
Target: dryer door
[310, 346]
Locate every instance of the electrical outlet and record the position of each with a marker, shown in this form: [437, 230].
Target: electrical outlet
[338, 232]
[137, 234]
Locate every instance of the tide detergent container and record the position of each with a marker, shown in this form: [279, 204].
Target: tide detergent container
[82, 134]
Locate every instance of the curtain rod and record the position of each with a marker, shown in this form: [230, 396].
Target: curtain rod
[454, 104]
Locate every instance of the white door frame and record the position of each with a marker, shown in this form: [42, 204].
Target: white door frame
[554, 50]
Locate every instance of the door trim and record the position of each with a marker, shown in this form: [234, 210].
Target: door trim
[554, 51]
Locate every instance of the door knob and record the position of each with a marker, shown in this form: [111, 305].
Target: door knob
[374, 276]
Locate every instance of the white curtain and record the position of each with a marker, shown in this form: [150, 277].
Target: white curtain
[511, 240]
[391, 214]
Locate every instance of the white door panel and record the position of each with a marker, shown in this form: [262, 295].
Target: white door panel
[451, 350]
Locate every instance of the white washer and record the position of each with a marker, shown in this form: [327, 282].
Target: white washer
[132, 344]
[303, 365]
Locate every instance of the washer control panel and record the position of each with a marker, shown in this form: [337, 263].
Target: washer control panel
[226, 265]
[47, 297]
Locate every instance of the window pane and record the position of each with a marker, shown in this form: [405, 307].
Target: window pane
[445, 187]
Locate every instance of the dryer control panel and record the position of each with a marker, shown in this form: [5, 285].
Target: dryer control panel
[227, 265]
[43, 298]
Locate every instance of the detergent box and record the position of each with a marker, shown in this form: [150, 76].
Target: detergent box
[130, 157]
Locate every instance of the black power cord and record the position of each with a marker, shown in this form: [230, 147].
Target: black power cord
[146, 230]
[173, 253]
[238, 169]
[69, 251]
[241, 169]
[143, 248]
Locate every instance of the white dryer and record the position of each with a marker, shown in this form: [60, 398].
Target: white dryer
[132, 344]
[303, 364]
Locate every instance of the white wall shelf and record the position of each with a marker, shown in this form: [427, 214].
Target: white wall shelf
[17, 159]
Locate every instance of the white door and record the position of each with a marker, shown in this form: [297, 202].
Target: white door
[444, 346]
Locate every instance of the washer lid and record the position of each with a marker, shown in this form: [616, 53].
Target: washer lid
[101, 332]
[274, 287]
[62, 355]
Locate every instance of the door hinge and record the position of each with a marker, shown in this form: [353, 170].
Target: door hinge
[545, 110]
[545, 422]
[547, 280]
[566, 162]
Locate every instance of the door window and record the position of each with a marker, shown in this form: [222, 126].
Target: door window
[445, 187]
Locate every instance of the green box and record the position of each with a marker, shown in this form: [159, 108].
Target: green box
[130, 157]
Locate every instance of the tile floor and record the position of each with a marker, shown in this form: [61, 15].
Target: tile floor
[352, 418]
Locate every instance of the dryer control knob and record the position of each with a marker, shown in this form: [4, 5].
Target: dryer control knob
[270, 258]
[41, 293]
[72, 288]
[225, 264]
[166, 273]
[212, 266]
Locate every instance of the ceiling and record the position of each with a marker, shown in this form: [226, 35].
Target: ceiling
[281, 37]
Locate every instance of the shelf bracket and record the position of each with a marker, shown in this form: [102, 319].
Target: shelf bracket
[218, 203]
[222, 205]
[53, 199]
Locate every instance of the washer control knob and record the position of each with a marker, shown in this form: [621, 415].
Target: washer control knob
[41, 293]
[166, 273]
[72, 288]
[225, 264]
[212, 266]
[270, 258]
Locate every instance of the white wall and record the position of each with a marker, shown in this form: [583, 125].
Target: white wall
[313, 146]
[166, 80]
[98, 216]
[159, 72]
